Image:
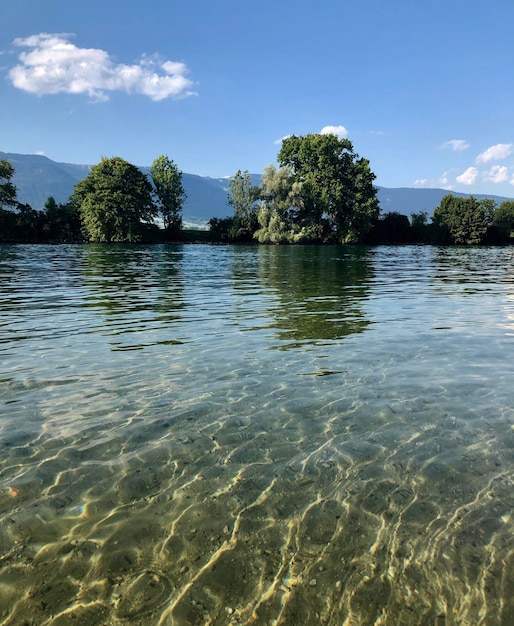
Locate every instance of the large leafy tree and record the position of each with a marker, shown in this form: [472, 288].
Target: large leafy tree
[461, 220]
[242, 196]
[489, 206]
[280, 193]
[167, 181]
[7, 189]
[114, 202]
[62, 222]
[281, 202]
[8, 226]
[503, 220]
[337, 185]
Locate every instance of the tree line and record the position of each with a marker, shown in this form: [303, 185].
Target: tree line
[115, 203]
[321, 192]
[455, 221]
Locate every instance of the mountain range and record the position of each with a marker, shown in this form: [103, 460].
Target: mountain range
[37, 177]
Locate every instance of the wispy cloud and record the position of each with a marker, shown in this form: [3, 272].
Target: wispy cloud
[458, 145]
[497, 174]
[495, 153]
[279, 141]
[432, 183]
[340, 131]
[468, 177]
[444, 180]
[55, 65]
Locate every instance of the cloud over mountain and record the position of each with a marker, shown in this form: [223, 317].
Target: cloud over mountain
[468, 177]
[55, 65]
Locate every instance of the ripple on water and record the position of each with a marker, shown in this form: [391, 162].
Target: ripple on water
[303, 435]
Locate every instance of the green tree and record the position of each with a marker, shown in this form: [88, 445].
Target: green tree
[167, 181]
[62, 222]
[393, 227]
[489, 206]
[242, 196]
[221, 229]
[463, 219]
[7, 189]
[420, 228]
[29, 224]
[503, 220]
[115, 202]
[281, 203]
[337, 185]
[8, 227]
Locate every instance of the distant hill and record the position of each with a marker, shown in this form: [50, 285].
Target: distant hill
[407, 200]
[38, 177]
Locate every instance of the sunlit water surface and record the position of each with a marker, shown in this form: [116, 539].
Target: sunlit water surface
[256, 435]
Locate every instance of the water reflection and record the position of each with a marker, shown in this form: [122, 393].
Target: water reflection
[144, 280]
[134, 278]
[470, 271]
[320, 291]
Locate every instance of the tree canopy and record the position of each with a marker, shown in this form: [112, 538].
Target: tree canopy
[7, 189]
[336, 186]
[167, 181]
[242, 195]
[281, 204]
[463, 219]
[503, 220]
[114, 201]
[61, 222]
[321, 192]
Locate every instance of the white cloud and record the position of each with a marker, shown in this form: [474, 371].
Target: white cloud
[444, 180]
[497, 174]
[456, 144]
[39, 153]
[54, 65]
[468, 177]
[495, 153]
[340, 131]
[279, 141]
[435, 183]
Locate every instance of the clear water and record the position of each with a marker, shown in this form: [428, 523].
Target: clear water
[256, 435]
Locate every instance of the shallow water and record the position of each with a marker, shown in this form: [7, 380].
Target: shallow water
[256, 435]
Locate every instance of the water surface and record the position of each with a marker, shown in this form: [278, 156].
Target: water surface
[256, 435]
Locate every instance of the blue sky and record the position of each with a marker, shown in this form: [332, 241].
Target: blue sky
[424, 90]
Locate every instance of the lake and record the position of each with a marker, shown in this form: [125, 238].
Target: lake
[256, 435]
